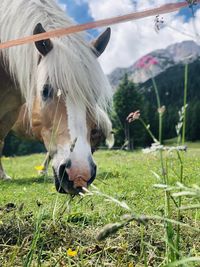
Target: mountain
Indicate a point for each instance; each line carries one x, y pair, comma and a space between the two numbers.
157, 62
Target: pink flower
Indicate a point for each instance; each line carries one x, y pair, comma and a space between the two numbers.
133, 116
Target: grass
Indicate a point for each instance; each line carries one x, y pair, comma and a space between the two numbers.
38, 225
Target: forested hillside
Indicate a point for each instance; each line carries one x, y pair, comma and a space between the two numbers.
171, 89
170, 84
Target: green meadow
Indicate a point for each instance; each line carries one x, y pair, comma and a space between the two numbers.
39, 227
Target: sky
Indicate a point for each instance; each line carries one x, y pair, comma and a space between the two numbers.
132, 40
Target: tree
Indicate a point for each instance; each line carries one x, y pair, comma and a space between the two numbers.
15, 146
128, 99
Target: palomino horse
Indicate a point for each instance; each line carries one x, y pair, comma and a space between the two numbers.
62, 81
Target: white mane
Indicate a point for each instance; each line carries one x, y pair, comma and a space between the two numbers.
70, 66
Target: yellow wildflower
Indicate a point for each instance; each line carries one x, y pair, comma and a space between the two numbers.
72, 253
39, 168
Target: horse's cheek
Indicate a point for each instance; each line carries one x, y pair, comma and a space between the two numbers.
46, 136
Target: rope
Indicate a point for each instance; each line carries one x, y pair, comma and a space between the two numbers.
168, 8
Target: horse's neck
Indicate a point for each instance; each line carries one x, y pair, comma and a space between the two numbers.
10, 99
7, 85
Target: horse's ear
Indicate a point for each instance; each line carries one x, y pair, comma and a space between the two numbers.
101, 42
43, 46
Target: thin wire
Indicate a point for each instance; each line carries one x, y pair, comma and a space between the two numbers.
181, 32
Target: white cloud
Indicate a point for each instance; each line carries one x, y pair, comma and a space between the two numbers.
107, 8
134, 39
63, 6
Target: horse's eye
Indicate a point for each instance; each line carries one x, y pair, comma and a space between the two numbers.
47, 92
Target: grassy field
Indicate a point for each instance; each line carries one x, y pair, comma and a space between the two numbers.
39, 227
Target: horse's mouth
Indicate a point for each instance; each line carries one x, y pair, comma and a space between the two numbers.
65, 186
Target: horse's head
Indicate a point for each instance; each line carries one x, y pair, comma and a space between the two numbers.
68, 108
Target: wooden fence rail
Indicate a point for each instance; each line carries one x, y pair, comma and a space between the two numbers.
168, 8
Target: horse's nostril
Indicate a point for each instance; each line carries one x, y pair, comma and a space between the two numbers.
94, 169
62, 172
93, 173
68, 164
63, 178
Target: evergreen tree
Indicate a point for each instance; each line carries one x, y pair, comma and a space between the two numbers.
128, 99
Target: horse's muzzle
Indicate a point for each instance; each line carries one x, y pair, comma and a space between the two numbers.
66, 185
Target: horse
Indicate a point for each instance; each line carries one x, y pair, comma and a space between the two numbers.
62, 84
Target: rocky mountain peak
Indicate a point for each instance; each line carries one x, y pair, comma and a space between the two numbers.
157, 61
